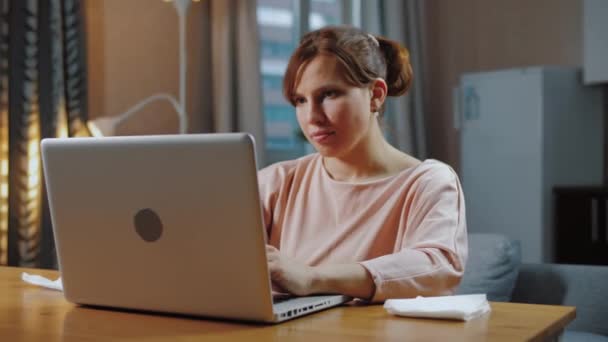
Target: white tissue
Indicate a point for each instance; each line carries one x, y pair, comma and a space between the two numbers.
42, 281
462, 307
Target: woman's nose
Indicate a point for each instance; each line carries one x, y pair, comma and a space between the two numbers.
315, 113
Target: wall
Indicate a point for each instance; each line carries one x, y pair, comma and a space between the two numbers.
132, 54
478, 35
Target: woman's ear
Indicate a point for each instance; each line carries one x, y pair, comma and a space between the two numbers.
379, 90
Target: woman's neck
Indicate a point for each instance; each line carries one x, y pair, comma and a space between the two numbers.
373, 158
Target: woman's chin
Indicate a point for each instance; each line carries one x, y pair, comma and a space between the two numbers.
327, 151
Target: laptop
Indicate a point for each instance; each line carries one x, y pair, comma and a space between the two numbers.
169, 223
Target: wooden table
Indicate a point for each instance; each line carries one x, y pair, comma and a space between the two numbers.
30, 313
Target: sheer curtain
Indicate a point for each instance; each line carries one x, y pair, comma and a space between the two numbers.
401, 20
231, 82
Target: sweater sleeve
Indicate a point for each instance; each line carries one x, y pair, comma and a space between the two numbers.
434, 244
273, 182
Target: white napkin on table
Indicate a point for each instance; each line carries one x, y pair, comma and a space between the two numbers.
461, 307
42, 281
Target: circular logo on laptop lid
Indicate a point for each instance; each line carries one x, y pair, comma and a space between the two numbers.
148, 225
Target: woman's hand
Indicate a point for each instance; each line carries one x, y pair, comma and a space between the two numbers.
288, 274
301, 280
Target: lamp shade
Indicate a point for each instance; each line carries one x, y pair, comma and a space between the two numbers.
103, 127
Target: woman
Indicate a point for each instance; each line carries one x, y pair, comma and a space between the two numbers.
359, 217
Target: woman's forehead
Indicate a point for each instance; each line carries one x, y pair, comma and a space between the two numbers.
321, 69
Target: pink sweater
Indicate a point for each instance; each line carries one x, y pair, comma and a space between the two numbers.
408, 230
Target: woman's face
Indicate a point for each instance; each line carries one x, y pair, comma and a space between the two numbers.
334, 115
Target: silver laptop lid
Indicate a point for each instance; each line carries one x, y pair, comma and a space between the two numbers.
109, 198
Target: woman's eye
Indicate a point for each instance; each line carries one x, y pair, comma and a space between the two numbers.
299, 100
330, 93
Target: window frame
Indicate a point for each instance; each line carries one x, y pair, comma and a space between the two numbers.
350, 14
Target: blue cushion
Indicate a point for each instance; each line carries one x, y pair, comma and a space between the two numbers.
492, 266
581, 336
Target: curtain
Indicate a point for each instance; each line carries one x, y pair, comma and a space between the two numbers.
402, 20
231, 87
42, 94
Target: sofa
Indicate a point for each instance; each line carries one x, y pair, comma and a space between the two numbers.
494, 268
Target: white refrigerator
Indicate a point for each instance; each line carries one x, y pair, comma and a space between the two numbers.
522, 132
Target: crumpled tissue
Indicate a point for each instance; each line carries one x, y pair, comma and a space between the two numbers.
42, 281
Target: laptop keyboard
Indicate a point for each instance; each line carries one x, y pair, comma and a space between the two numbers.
280, 297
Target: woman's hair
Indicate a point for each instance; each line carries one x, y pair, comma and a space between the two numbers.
362, 57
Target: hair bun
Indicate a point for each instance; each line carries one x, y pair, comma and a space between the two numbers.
398, 68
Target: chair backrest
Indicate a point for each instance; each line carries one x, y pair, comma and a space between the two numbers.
492, 266
583, 286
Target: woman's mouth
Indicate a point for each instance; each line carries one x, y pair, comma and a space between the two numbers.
322, 136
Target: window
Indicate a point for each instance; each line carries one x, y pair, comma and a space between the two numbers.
280, 29
325, 12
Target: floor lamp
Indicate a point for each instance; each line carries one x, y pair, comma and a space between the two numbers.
106, 126
31, 202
